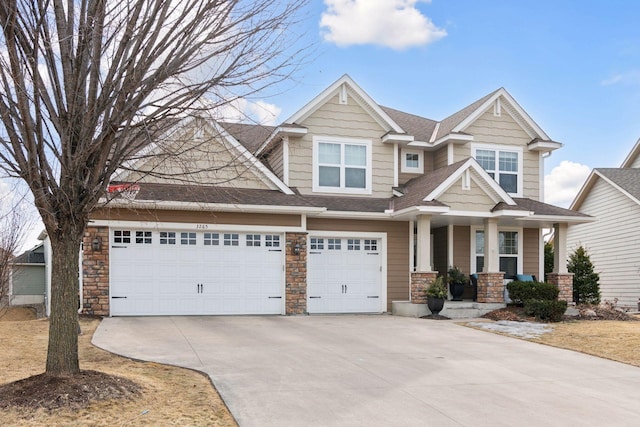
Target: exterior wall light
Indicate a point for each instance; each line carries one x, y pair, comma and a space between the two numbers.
296, 249
96, 244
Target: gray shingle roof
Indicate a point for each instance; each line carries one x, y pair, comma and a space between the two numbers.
249, 135
538, 208
415, 190
421, 128
628, 179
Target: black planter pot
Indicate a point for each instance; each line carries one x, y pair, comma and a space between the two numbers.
435, 304
457, 289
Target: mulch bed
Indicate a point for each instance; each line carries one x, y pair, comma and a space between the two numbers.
74, 392
605, 311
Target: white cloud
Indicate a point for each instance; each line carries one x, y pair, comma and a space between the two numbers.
242, 110
564, 181
397, 24
631, 77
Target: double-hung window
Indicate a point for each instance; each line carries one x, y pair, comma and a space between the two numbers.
342, 165
507, 250
504, 165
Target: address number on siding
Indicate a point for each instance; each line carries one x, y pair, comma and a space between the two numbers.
202, 226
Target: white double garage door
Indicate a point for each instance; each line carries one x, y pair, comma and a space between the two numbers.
202, 272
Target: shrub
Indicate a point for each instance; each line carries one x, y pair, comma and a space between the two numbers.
437, 289
521, 292
586, 288
551, 310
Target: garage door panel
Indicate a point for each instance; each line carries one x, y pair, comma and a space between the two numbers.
219, 274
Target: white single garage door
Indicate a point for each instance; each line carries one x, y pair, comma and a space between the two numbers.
345, 275
195, 272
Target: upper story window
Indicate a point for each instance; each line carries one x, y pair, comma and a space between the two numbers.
412, 161
504, 165
341, 165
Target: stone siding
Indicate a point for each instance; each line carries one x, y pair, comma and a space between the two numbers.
95, 272
564, 282
419, 282
296, 274
491, 287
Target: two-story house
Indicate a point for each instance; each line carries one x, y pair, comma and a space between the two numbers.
345, 207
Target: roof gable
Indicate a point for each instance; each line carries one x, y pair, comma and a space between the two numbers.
631, 159
624, 180
341, 88
499, 99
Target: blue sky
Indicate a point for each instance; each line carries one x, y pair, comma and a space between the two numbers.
574, 66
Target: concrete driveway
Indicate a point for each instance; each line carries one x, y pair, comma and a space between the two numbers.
381, 371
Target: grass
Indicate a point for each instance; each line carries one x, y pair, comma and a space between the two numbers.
609, 339
171, 396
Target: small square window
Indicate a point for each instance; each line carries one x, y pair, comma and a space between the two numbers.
211, 239
272, 241
370, 245
167, 237
334, 244
353, 244
121, 236
317, 244
188, 239
143, 237
412, 161
231, 239
253, 240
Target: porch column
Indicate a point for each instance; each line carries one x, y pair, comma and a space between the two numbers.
491, 253
560, 276
491, 280
423, 276
424, 243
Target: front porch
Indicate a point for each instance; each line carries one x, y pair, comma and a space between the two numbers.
452, 309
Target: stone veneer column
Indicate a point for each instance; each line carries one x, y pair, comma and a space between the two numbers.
491, 287
564, 282
296, 274
95, 272
419, 282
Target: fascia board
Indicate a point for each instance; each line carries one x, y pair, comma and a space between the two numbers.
546, 146
553, 219
632, 155
430, 210
395, 138
282, 130
617, 187
584, 190
214, 207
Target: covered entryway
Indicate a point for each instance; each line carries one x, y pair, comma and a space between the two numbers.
186, 272
345, 274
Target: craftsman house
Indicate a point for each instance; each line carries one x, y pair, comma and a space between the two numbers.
345, 207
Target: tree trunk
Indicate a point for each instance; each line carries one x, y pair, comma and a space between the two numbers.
62, 355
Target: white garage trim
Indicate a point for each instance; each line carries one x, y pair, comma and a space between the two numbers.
155, 225
382, 237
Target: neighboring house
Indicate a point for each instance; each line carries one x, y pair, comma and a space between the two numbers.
28, 277
612, 196
344, 208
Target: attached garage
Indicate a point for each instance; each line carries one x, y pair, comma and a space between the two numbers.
346, 273
203, 272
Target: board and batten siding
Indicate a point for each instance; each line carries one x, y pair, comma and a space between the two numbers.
473, 199
531, 252
462, 248
504, 130
344, 121
397, 249
612, 242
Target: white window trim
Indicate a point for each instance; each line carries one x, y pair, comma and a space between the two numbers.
316, 188
505, 148
403, 161
520, 256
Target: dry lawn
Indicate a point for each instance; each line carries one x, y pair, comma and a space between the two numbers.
610, 339
171, 396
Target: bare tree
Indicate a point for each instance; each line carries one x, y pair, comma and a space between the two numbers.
83, 83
